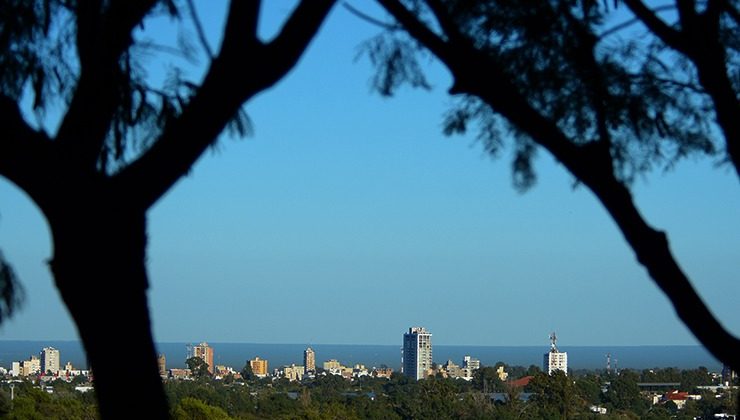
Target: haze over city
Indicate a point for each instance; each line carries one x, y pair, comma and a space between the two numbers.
346, 217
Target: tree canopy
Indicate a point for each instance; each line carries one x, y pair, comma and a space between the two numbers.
554, 76
121, 142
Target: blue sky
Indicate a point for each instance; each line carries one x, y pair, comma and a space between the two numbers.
347, 218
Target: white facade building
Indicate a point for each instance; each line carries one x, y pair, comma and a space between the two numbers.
15, 369
49, 360
471, 363
555, 359
417, 352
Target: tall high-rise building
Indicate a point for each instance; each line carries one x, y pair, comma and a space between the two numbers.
49, 360
259, 367
309, 360
728, 375
162, 365
555, 359
417, 352
205, 352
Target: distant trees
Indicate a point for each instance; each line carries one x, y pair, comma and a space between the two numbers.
247, 372
551, 76
122, 142
198, 367
624, 394
190, 408
30, 402
486, 379
554, 396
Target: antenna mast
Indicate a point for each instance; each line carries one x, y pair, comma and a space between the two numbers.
553, 342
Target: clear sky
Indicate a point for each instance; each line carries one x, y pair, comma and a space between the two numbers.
347, 218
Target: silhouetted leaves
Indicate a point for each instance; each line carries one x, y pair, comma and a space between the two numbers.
644, 102
11, 292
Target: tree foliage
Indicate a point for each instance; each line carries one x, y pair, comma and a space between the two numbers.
11, 292
552, 75
121, 141
198, 367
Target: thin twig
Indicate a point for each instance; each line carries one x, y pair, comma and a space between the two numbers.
199, 29
632, 21
368, 18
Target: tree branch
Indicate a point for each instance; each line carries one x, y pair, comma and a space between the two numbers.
100, 43
442, 14
364, 16
244, 67
26, 155
199, 29
618, 27
590, 163
417, 29
648, 17
687, 13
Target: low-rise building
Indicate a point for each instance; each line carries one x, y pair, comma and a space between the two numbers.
222, 371
471, 363
179, 373
452, 370
382, 372
332, 364
292, 372
680, 398
359, 371
502, 375
31, 366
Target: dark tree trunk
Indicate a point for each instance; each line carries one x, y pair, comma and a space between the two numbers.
713, 76
652, 250
99, 269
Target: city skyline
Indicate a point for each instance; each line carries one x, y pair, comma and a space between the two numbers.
343, 205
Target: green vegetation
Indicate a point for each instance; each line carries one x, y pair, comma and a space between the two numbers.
331, 397
198, 367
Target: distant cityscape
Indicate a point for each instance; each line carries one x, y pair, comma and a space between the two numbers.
416, 362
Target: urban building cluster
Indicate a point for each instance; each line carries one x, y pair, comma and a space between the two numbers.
416, 362
45, 368
46, 364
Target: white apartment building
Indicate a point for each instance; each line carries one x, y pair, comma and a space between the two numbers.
417, 352
49, 360
15, 369
555, 359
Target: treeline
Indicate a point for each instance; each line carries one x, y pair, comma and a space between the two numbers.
486, 396
332, 397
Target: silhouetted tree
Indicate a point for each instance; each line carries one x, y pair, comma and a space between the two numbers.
198, 367
120, 145
552, 76
247, 372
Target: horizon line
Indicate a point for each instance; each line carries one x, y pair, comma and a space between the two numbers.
368, 344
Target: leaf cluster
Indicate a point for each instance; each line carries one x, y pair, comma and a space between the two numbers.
632, 94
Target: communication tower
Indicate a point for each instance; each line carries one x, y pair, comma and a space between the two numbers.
553, 342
